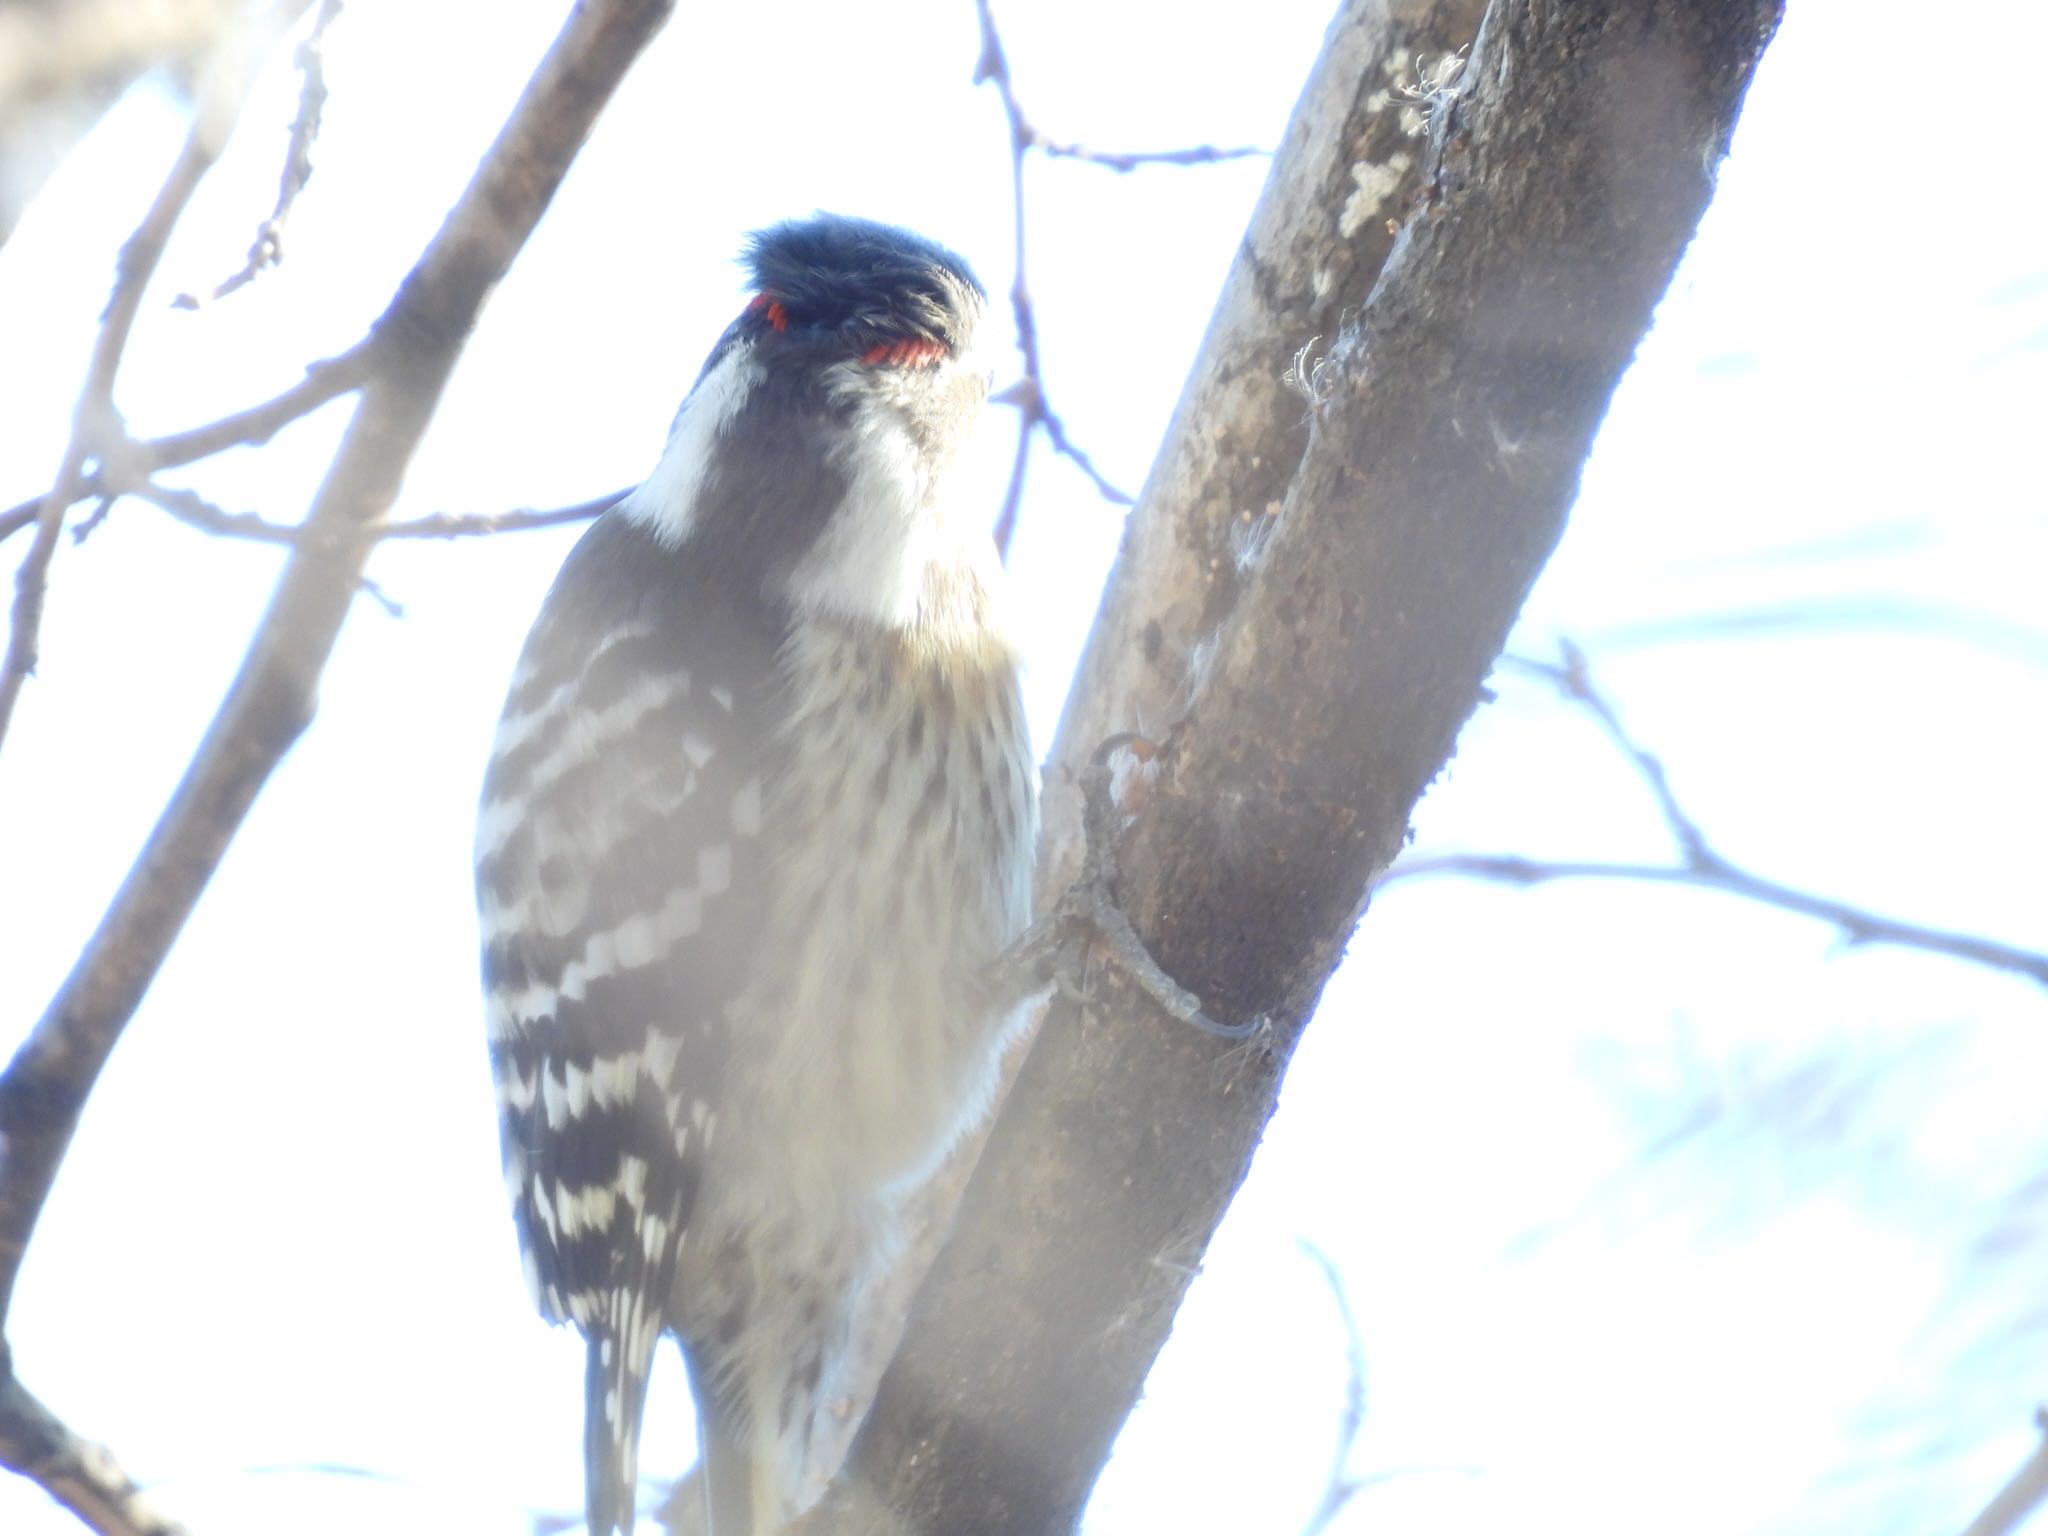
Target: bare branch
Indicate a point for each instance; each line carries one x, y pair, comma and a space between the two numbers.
194, 510
254, 425
449, 525
1699, 864
45, 1087
268, 248
1858, 926
81, 1476
2019, 1498
1028, 394
1572, 676
1341, 1487
95, 421
1124, 161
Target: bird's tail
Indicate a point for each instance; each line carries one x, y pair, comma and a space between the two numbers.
614, 1393
725, 1468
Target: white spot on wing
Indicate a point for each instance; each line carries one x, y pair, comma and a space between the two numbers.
662, 1052
633, 1182
640, 940
583, 735
543, 1207
746, 808
554, 1098
587, 1210
714, 869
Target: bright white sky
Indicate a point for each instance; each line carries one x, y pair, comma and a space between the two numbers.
1655, 1211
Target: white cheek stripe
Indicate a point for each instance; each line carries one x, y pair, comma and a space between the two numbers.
666, 502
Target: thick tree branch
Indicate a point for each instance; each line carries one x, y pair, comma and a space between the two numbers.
81, 1476
271, 701
1348, 171
1446, 436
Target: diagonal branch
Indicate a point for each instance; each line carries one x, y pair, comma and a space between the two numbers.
81, 1476
45, 1087
1342, 665
271, 701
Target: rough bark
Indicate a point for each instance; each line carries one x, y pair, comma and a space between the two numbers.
1317, 691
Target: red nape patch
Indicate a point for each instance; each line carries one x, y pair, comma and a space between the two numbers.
906, 353
777, 315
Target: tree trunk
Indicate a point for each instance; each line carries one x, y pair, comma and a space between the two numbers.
1318, 682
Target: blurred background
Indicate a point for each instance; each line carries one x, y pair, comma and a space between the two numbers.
1611, 1207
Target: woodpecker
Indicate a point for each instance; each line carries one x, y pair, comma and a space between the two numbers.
759, 812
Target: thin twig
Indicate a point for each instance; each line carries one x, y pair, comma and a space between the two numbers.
449, 525
95, 420
1857, 925
268, 248
1028, 394
1122, 161
254, 425
1572, 676
326, 380
1699, 864
2020, 1497
1341, 1487
194, 510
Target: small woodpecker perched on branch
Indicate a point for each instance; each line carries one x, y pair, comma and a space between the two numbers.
760, 810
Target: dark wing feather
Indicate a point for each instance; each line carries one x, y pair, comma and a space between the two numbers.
619, 879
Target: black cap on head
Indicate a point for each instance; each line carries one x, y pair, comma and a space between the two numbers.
861, 283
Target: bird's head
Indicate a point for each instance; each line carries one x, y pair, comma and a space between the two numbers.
813, 447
